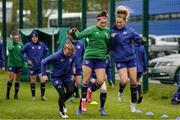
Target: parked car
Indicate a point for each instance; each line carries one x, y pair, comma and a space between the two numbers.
165, 69
162, 45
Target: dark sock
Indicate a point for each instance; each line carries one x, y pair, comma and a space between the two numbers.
103, 99
133, 93
43, 86
9, 84
16, 86
95, 87
139, 89
84, 90
121, 87
91, 84
33, 89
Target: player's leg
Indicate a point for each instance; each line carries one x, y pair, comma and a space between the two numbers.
133, 80
103, 95
78, 79
123, 74
139, 88
10, 82
69, 86
87, 69
91, 84
42, 87
17, 83
32, 77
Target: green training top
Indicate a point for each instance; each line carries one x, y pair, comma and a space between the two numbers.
97, 41
14, 59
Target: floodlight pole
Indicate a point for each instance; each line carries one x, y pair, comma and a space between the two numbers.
60, 7
84, 14
112, 20
20, 14
145, 36
39, 13
4, 24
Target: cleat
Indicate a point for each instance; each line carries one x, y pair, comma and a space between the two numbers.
63, 115
140, 99
33, 98
120, 97
79, 111
103, 113
43, 98
133, 107
83, 106
89, 95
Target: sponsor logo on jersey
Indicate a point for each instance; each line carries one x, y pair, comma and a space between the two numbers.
39, 47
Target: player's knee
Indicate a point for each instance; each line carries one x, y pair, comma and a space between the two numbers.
133, 82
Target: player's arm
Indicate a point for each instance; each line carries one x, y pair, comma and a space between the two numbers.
79, 35
45, 62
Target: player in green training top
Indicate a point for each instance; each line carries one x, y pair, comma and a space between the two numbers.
15, 64
95, 55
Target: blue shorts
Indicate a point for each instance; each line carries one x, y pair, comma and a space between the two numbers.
126, 64
15, 69
139, 74
59, 82
34, 71
95, 63
78, 72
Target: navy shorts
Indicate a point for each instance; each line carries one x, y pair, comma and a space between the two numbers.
78, 72
139, 74
34, 71
95, 63
59, 82
15, 69
126, 64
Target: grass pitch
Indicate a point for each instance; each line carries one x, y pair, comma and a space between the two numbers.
157, 100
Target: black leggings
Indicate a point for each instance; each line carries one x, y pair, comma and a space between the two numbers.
64, 94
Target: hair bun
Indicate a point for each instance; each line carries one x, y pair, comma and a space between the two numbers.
104, 13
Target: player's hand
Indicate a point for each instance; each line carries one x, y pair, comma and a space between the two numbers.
3, 69
29, 62
145, 72
44, 78
72, 30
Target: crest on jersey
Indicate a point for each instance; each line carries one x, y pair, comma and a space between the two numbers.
78, 47
19, 46
32, 47
97, 32
62, 60
119, 65
39, 47
124, 33
86, 61
70, 60
31, 72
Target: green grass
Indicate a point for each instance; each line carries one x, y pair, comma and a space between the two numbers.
156, 100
